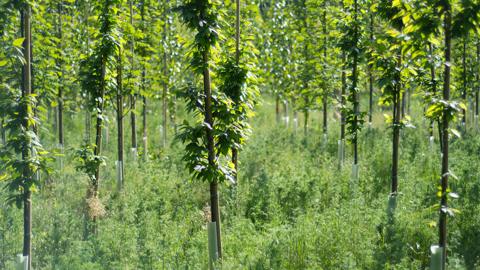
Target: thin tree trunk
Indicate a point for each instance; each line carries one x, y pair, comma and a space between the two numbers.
478, 81
120, 142
370, 76
144, 84
133, 98
26, 92
60, 78
325, 94
145, 130
133, 121
164, 99
325, 114
409, 100
88, 127
433, 82
356, 104
237, 32
93, 192
445, 126
343, 102
32, 80
397, 96
165, 80
277, 108
237, 60
305, 123
215, 210
88, 124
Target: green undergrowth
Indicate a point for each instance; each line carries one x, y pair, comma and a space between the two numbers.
293, 208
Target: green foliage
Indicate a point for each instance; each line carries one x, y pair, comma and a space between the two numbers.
291, 203
352, 44
22, 156
88, 162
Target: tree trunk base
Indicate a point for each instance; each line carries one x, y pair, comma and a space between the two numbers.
436, 258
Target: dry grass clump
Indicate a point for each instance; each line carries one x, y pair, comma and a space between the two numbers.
95, 208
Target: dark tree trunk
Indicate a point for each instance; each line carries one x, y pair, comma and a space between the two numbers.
165, 79
408, 97
237, 32
26, 92
88, 116
478, 81
88, 125
133, 121
237, 60
325, 114
445, 126
305, 123
277, 108
133, 97
60, 78
343, 98
433, 81
164, 99
145, 130
370, 76
397, 97
325, 95
99, 126
356, 104
215, 209
27, 226
120, 142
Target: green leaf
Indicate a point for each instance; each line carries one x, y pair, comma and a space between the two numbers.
453, 195
3, 63
18, 42
456, 133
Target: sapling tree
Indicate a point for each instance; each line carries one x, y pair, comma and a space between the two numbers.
120, 115
446, 117
132, 81
165, 70
206, 149
306, 95
351, 43
344, 88
279, 51
120, 99
370, 71
97, 80
238, 99
389, 60
168, 63
22, 155
325, 85
61, 140
143, 49
452, 19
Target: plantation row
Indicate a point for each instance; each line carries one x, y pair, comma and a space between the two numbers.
199, 68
